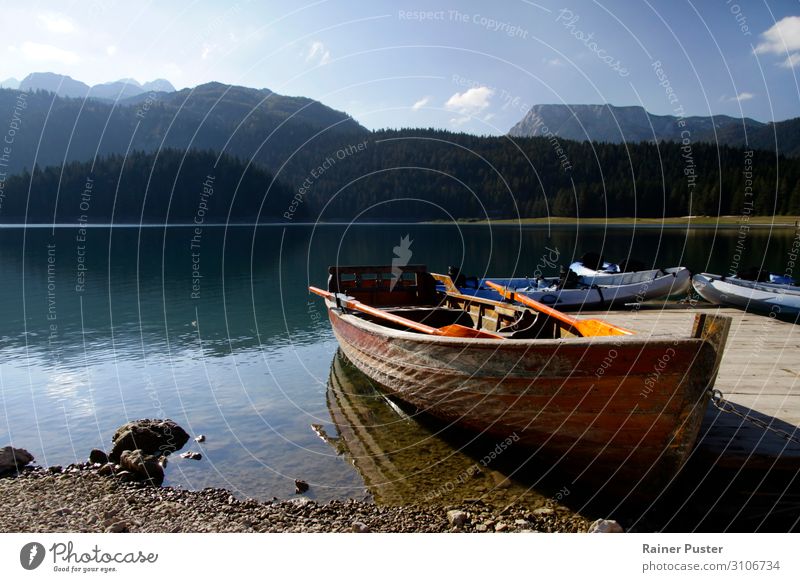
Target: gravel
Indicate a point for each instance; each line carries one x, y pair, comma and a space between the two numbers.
78, 499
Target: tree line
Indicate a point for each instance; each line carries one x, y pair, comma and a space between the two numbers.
412, 175
170, 187
416, 174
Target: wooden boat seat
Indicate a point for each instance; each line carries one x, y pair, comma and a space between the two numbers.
434, 316
381, 286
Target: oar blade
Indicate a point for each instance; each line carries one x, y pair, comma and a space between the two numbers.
457, 330
598, 327
585, 327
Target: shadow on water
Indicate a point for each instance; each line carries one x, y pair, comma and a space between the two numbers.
405, 456
740, 477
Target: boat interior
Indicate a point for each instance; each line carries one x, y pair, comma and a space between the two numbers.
410, 292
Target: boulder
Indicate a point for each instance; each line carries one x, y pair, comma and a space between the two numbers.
152, 436
456, 517
300, 486
144, 466
605, 526
13, 460
125, 476
118, 527
98, 456
106, 470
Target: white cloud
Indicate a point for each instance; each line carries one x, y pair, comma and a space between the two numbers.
111, 50
460, 120
556, 62
470, 102
33, 51
55, 22
743, 96
791, 61
421, 103
781, 37
317, 52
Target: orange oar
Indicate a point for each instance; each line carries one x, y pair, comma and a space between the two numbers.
454, 330
585, 327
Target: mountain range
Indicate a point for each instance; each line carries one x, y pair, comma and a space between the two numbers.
336, 168
255, 124
593, 123
65, 86
612, 124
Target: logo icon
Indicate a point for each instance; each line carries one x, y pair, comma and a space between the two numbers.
402, 256
31, 555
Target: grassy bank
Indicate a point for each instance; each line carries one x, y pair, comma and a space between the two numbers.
676, 221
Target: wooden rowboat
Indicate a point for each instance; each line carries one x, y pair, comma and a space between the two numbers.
611, 406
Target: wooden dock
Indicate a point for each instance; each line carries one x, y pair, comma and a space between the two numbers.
759, 377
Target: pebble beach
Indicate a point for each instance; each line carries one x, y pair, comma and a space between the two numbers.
77, 499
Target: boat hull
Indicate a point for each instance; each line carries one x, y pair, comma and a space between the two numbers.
766, 298
610, 409
598, 292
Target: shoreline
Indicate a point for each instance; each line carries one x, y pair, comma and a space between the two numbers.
721, 222
79, 500
687, 222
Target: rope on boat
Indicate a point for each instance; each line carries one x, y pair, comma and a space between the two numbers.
600, 293
718, 400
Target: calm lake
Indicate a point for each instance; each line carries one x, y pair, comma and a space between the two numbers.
217, 331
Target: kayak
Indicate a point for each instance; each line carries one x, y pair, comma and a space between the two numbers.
759, 297
597, 291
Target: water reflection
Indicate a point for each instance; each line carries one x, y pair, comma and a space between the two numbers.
407, 457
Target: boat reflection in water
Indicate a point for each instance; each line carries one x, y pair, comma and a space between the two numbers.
405, 456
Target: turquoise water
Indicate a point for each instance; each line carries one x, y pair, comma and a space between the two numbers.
217, 331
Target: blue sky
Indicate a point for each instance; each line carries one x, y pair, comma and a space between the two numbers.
466, 66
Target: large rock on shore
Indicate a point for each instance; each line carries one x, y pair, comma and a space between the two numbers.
605, 526
13, 460
145, 467
151, 436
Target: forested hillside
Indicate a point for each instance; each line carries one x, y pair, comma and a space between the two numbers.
476, 177
171, 187
329, 167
